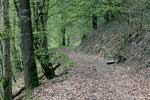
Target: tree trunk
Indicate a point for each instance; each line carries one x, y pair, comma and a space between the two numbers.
41, 40
108, 16
1, 57
94, 21
30, 70
68, 41
7, 85
14, 51
16, 6
63, 36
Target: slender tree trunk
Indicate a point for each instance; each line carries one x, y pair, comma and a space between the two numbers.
30, 70
68, 41
15, 56
94, 16
94, 21
108, 14
14, 51
1, 55
16, 6
63, 36
7, 85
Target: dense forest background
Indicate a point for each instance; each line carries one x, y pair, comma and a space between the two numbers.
31, 31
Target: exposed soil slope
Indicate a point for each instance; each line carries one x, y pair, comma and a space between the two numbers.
119, 39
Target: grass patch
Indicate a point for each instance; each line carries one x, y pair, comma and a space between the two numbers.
65, 62
63, 59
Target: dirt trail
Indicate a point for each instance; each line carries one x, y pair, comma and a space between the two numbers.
92, 79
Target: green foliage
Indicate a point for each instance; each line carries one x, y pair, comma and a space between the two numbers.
76, 17
1, 89
28, 94
63, 59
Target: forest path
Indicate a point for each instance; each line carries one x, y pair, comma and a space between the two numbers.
92, 79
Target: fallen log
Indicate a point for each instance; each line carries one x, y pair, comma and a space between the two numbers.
110, 62
22, 91
20, 97
18, 93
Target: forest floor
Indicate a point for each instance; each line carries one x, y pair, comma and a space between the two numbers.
93, 79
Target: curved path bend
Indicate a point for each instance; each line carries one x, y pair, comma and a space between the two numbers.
92, 79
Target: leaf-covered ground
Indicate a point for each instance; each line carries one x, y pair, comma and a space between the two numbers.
92, 79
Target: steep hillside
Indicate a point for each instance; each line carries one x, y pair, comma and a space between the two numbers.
119, 40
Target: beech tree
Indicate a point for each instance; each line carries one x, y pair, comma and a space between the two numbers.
7, 85
30, 70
